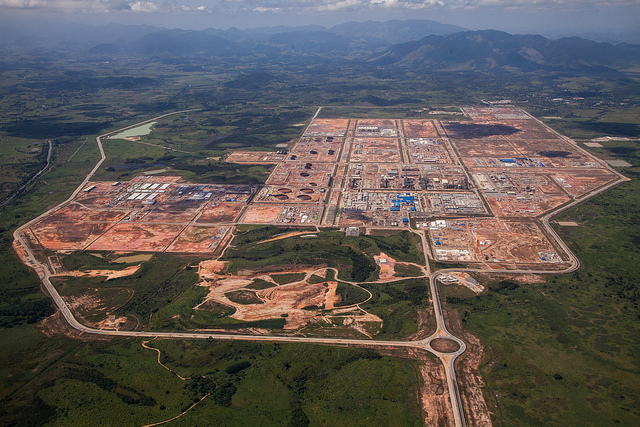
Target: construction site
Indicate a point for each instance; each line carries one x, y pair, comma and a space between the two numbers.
146, 214
477, 187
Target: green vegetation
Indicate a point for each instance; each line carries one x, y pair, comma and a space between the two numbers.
260, 284
127, 159
403, 246
408, 270
282, 279
588, 122
316, 279
85, 261
436, 265
397, 303
252, 234
330, 248
121, 382
216, 309
243, 297
351, 255
180, 314
20, 159
163, 298
158, 282
350, 295
564, 352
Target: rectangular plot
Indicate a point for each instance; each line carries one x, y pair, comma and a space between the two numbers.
488, 113
496, 149
284, 214
137, 237
67, 215
327, 127
581, 182
374, 150
428, 150
70, 236
301, 174
523, 204
481, 130
279, 194
490, 240
317, 149
196, 239
220, 212
383, 128
255, 157
420, 129
358, 218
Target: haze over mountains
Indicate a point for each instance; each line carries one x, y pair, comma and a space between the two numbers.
416, 44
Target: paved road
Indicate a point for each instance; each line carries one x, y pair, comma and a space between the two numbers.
447, 359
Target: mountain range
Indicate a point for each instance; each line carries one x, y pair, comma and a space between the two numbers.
412, 44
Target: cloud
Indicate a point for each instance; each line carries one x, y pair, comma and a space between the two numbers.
262, 9
299, 6
143, 6
413, 5
333, 6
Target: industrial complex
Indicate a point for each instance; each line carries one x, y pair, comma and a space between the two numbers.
477, 188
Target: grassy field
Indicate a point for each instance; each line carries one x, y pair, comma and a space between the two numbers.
351, 255
350, 295
282, 279
408, 270
20, 159
398, 304
120, 382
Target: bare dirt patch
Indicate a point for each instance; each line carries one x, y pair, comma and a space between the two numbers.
298, 302
108, 274
211, 268
387, 266
283, 236
331, 297
137, 237
445, 345
56, 326
520, 278
426, 324
567, 223
433, 394
471, 383
113, 322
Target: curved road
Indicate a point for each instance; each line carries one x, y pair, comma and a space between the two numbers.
447, 359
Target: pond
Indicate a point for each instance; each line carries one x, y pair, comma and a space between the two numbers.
141, 130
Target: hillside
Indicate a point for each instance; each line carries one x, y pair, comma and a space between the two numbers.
493, 50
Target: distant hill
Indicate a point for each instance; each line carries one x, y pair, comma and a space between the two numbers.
362, 37
311, 41
270, 31
369, 42
492, 50
184, 43
393, 32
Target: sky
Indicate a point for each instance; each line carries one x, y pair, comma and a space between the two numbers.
564, 17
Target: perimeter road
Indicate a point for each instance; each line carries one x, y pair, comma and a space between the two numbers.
447, 359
